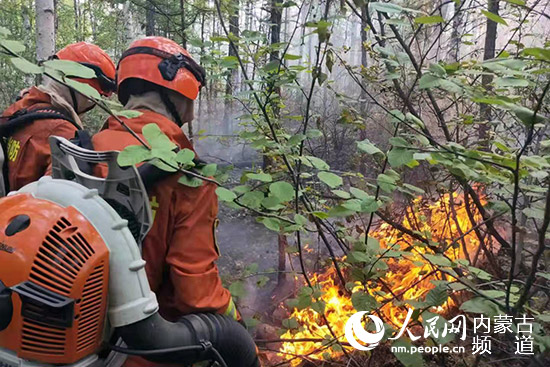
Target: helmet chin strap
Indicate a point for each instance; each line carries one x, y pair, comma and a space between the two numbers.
171, 107
75, 100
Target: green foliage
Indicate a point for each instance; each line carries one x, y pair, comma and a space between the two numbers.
408, 122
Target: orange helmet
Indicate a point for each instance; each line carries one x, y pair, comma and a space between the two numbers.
162, 62
96, 59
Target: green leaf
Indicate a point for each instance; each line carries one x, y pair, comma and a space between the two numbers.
407, 358
341, 194
398, 157
318, 307
434, 19
312, 161
273, 224
26, 66
271, 66
132, 155
386, 182
437, 296
190, 181
330, 179
157, 138
534, 213
450, 86
537, 52
481, 274
511, 82
353, 204
369, 205
70, 69
358, 193
13, 46
363, 301
526, 115
263, 177
314, 133
369, 148
495, 18
438, 260
516, 2
225, 194
83, 88
386, 7
252, 199
296, 139
291, 324
209, 170
184, 156
429, 81
272, 203
4, 31
321, 215
282, 190
480, 305
161, 165
300, 219
129, 114
292, 57
237, 289
340, 211
438, 70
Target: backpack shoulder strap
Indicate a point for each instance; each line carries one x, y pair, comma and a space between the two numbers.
23, 118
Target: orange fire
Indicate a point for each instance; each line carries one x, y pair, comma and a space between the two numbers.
407, 278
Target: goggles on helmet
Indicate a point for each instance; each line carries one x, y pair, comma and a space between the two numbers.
171, 64
107, 84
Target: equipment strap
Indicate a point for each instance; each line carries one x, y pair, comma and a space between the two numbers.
25, 117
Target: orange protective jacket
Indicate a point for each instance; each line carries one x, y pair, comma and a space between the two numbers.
180, 249
28, 149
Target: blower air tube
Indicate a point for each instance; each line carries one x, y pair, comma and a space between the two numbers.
228, 337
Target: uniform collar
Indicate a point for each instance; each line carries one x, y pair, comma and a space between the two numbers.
165, 124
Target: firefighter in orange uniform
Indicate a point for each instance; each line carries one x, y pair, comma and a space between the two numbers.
27, 149
159, 78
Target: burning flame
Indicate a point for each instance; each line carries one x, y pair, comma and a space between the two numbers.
408, 277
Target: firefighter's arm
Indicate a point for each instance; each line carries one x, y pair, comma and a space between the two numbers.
192, 254
65, 130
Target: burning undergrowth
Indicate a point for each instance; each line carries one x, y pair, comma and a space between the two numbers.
392, 272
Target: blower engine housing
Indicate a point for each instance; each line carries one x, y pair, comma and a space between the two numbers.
71, 272
57, 280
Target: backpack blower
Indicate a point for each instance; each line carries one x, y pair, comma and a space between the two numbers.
72, 276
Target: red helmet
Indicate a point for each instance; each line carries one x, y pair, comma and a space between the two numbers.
162, 62
96, 59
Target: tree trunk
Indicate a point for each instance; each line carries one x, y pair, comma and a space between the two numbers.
131, 27
363, 106
199, 117
231, 81
454, 44
150, 20
183, 25
281, 269
486, 80
45, 29
27, 26
76, 20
